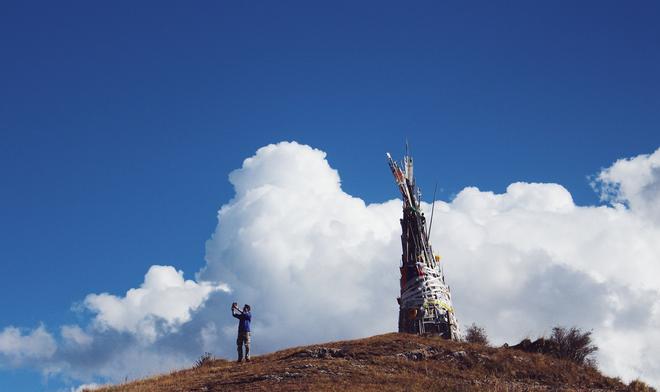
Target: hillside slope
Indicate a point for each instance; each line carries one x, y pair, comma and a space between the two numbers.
391, 362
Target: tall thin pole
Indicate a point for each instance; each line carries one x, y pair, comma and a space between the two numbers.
432, 210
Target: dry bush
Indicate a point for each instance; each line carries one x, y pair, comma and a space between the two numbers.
476, 334
204, 360
639, 386
574, 344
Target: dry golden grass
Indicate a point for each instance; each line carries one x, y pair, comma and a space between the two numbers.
392, 362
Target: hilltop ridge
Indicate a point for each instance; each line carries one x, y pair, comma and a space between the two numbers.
390, 362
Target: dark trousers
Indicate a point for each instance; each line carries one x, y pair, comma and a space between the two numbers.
243, 339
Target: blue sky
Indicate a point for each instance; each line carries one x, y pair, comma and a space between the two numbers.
119, 122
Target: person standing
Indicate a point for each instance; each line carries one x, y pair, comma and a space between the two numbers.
244, 317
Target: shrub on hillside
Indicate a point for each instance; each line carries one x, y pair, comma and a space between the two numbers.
639, 386
205, 360
574, 344
476, 334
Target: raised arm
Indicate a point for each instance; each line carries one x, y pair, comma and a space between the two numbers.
235, 309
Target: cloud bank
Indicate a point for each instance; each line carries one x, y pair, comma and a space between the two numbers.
318, 264
635, 182
163, 303
310, 259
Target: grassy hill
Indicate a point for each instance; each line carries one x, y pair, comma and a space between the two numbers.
391, 362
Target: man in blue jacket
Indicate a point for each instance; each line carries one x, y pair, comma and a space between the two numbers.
244, 317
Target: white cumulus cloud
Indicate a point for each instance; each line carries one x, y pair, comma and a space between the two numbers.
161, 304
17, 347
520, 268
635, 181
313, 261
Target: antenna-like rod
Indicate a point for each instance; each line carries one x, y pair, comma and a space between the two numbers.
432, 210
